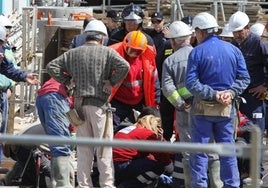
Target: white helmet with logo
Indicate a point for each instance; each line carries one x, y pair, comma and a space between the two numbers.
238, 21
204, 21
3, 33
97, 26
4, 21
178, 29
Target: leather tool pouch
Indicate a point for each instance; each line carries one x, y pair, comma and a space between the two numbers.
76, 115
74, 118
211, 108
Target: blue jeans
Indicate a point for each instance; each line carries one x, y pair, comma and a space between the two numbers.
52, 108
3, 118
222, 128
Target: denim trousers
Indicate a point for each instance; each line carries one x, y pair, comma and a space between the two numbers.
52, 108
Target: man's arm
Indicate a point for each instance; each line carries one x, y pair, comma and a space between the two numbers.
8, 69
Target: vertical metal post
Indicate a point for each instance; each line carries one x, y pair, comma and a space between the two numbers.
180, 11
215, 5
173, 11
103, 6
24, 57
158, 6
255, 156
222, 12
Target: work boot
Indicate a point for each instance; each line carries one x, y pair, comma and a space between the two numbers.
61, 172
214, 174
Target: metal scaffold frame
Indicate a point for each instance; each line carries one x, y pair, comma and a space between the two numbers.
241, 6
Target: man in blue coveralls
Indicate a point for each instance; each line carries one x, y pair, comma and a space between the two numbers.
216, 73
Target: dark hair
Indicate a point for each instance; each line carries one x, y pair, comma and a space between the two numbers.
86, 21
92, 35
150, 110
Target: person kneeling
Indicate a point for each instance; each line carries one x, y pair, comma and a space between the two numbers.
134, 168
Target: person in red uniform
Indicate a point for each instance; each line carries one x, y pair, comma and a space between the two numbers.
134, 168
141, 86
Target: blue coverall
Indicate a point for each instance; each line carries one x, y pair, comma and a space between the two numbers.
214, 65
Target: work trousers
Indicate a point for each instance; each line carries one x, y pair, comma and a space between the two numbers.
52, 108
124, 111
183, 121
3, 117
222, 128
254, 109
167, 117
137, 173
97, 125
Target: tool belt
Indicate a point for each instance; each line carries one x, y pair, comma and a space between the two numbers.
75, 115
211, 108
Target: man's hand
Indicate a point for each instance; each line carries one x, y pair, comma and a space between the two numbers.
107, 88
160, 133
224, 97
259, 92
31, 78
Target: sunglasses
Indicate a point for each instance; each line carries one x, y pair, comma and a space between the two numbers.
156, 21
133, 52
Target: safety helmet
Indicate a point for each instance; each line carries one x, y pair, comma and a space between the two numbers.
3, 33
135, 40
238, 21
132, 12
97, 26
226, 32
257, 28
204, 21
178, 29
4, 21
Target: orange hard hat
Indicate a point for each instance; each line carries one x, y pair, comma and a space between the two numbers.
135, 40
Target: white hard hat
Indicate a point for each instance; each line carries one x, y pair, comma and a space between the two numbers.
97, 26
204, 20
5, 21
178, 29
238, 21
3, 33
257, 28
226, 32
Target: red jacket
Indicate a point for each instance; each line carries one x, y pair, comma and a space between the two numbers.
53, 86
151, 86
137, 133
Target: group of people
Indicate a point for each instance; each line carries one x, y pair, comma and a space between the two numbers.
9, 74
187, 73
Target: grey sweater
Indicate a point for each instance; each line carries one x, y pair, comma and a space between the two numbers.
89, 65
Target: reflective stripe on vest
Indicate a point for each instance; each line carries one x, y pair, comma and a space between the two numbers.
182, 92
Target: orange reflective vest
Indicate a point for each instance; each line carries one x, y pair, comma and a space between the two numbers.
151, 84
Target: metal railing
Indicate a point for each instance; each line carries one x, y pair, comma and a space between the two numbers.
254, 151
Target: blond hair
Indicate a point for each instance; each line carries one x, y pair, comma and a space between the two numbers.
150, 122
